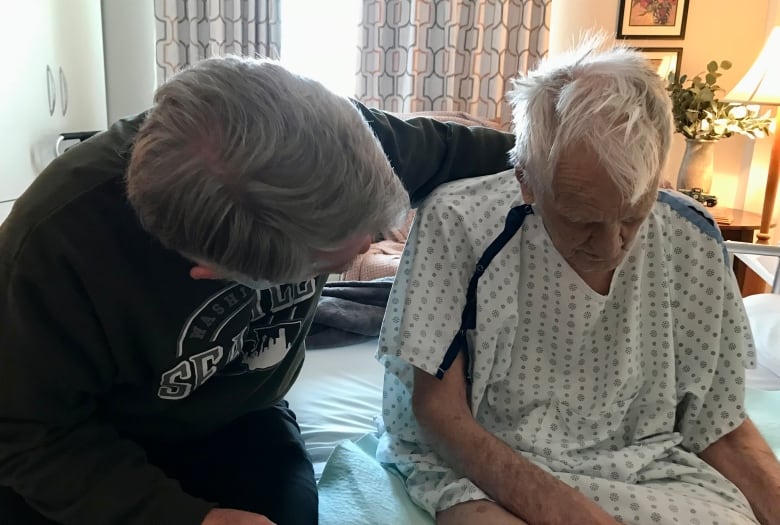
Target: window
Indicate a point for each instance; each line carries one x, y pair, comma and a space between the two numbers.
319, 40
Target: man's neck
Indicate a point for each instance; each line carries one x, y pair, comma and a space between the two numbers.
598, 281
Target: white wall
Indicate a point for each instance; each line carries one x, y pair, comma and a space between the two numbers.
128, 41
5, 209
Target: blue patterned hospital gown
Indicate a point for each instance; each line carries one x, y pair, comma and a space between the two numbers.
613, 395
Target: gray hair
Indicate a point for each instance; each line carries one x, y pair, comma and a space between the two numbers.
609, 100
248, 166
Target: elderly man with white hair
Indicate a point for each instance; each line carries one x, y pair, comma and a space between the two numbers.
573, 350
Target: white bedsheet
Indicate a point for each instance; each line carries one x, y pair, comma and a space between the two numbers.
337, 396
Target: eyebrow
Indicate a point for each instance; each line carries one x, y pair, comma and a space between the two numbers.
577, 215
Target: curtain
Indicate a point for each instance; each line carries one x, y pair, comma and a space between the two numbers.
454, 55
190, 30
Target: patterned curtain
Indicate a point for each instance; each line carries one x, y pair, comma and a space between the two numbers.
453, 55
190, 30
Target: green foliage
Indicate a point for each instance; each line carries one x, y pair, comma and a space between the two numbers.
698, 114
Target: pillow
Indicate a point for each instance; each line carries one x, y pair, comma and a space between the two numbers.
763, 311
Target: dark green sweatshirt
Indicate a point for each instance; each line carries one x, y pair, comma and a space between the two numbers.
104, 336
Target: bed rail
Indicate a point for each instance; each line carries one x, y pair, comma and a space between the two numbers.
749, 253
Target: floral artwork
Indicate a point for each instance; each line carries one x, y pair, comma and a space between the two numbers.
653, 12
652, 18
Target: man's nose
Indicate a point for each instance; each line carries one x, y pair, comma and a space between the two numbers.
607, 241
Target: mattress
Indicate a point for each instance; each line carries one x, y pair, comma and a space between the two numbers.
338, 396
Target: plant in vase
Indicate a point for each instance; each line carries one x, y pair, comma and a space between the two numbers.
703, 120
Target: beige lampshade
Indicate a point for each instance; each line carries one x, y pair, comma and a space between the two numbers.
761, 84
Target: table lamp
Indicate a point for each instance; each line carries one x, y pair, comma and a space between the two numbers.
761, 86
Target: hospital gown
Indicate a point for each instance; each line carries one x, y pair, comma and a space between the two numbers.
611, 394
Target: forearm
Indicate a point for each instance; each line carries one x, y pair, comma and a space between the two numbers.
515, 483
744, 458
90, 476
441, 408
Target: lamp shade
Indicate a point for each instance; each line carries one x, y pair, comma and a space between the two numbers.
761, 84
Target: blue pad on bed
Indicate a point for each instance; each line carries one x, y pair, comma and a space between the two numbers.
355, 489
763, 407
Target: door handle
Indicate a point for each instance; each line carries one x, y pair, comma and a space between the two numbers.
63, 91
51, 90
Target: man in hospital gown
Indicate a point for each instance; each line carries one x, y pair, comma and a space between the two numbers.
572, 349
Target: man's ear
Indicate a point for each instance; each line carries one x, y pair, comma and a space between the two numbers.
528, 193
203, 272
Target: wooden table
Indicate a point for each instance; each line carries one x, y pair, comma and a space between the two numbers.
740, 225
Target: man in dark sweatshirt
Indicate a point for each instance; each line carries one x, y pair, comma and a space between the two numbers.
157, 283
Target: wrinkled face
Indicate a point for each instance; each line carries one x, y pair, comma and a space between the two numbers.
588, 220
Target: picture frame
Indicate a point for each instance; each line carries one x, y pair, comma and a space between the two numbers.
652, 19
664, 59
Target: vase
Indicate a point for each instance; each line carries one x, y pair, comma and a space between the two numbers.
697, 164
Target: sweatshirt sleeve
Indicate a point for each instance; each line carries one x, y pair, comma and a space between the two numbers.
426, 153
54, 450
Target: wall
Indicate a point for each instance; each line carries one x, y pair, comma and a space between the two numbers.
716, 30
128, 41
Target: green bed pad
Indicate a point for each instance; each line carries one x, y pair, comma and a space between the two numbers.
356, 490
763, 407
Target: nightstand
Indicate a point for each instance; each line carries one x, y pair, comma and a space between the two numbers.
740, 225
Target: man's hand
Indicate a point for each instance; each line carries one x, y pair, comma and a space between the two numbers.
745, 459
234, 517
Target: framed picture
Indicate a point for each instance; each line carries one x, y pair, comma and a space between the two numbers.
664, 59
652, 19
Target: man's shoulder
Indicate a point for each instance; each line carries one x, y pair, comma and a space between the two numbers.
682, 211
686, 226
468, 212
489, 193
81, 182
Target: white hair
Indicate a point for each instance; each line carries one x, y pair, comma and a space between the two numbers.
607, 99
248, 166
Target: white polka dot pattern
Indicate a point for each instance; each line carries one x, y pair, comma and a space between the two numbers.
613, 394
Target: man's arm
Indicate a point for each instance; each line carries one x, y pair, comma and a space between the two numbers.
426, 153
746, 460
525, 490
54, 450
